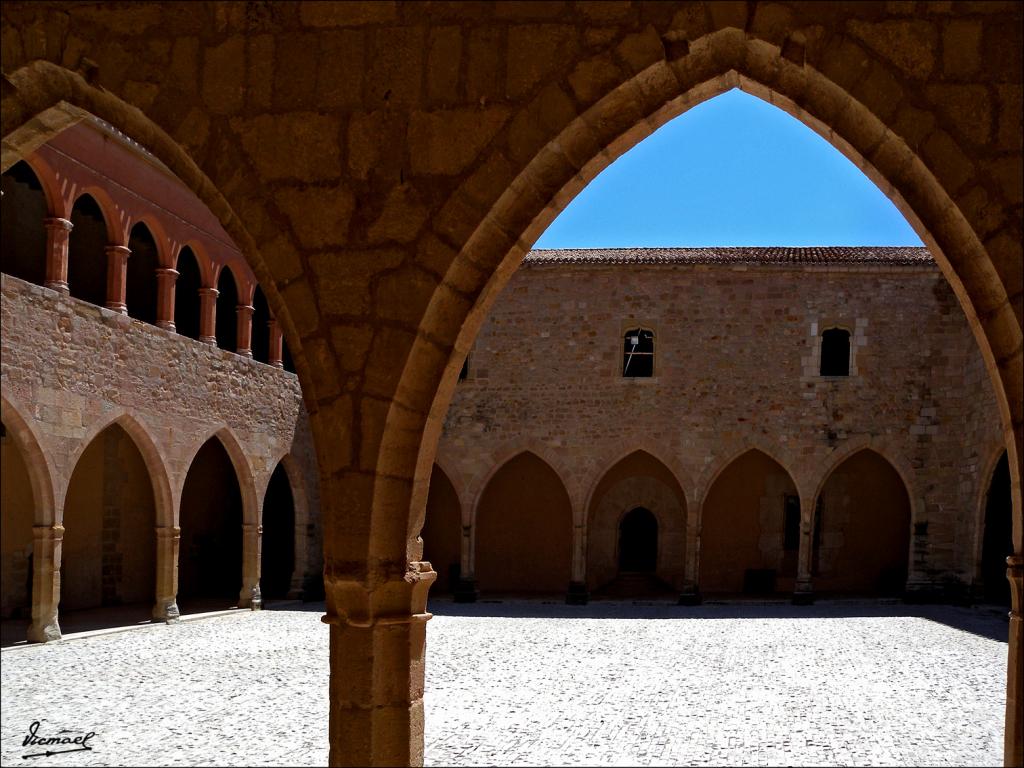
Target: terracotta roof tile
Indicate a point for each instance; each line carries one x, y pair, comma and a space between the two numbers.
835, 255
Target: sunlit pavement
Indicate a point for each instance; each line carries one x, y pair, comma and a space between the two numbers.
538, 683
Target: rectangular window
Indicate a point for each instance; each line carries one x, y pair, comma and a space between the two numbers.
638, 353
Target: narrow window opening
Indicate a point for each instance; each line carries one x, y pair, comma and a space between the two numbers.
638, 353
835, 352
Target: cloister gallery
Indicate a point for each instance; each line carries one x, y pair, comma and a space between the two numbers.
262, 324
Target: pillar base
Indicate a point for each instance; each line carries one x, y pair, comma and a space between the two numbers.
166, 610
48, 632
465, 591
251, 598
803, 597
690, 597
212, 340
577, 594
121, 309
61, 288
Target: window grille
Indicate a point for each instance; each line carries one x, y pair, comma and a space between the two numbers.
638, 353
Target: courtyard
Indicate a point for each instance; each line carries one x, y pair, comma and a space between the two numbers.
538, 683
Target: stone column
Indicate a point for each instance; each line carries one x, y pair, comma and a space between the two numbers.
58, 233
691, 579
165, 281
1013, 744
466, 591
250, 596
46, 547
803, 594
168, 544
275, 355
117, 274
578, 594
243, 335
208, 315
377, 646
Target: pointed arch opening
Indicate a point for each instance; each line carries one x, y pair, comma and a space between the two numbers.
210, 553
862, 528
87, 252
17, 506
227, 310
742, 529
140, 281
186, 294
109, 549
442, 531
277, 553
524, 529
997, 542
633, 553
261, 319
22, 231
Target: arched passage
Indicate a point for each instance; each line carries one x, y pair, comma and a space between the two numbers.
524, 529
277, 554
87, 252
442, 531
210, 554
862, 528
22, 233
17, 506
260, 328
140, 283
109, 549
742, 529
996, 542
186, 294
227, 311
637, 481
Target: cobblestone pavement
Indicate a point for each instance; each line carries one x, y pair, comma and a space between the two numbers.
532, 683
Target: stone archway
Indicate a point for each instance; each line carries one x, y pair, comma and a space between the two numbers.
996, 537
442, 531
831, 63
18, 506
277, 543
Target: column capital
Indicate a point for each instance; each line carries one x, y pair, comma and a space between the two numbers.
58, 223
167, 272
118, 250
362, 604
209, 292
245, 309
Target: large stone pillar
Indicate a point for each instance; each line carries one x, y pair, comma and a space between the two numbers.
690, 594
803, 594
117, 277
275, 355
46, 547
466, 591
58, 232
166, 279
168, 544
1013, 745
250, 596
578, 594
208, 315
243, 335
378, 639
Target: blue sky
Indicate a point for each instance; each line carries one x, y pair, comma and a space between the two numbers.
733, 170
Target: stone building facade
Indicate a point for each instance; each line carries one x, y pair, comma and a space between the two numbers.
385, 166
754, 464
141, 465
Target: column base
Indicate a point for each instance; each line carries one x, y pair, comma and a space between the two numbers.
803, 597
166, 610
61, 288
690, 597
121, 309
212, 340
167, 326
45, 633
465, 591
577, 594
251, 599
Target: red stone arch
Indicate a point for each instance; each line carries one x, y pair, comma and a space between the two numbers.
37, 462
151, 454
113, 216
55, 203
206, 267
156, 230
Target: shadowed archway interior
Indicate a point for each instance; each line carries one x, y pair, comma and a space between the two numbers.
638, 541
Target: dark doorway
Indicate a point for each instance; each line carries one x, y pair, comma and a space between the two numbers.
638, 541
227, 311
22, 233
277, 558
996, 546
186, 294
87, 254
140, 287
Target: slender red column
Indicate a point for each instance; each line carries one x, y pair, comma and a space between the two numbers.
208, 315
275, 355
58, 233
117, 273
165, 282
243, 335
